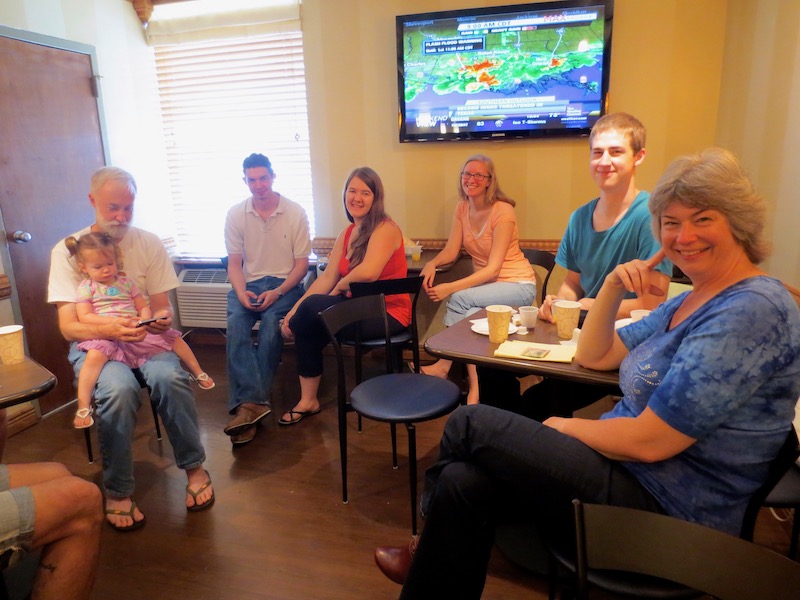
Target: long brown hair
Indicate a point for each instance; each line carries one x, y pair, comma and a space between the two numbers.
375, 216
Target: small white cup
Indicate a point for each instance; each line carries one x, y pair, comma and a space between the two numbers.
639, 314
528, 316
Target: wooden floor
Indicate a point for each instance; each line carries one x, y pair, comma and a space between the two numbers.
279, 529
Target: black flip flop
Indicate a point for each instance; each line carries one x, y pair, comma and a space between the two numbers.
302, 414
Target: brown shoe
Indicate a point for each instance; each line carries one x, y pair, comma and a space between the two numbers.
247, 415
395, 562
245, 436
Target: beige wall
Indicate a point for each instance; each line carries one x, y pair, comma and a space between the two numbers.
352, 88
696, 73
758, 116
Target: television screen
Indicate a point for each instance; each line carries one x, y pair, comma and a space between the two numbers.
523, 71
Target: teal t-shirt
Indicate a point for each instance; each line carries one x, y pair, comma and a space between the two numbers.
594, 254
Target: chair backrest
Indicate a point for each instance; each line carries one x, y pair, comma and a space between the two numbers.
543, 259
786, 457
390, 287
350, 312
635, 541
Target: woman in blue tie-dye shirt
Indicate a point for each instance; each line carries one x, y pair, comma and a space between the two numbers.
709, 379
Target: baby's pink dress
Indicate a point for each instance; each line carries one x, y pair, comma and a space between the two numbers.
116, 300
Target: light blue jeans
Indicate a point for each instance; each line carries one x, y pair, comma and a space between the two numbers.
117, 399
251, 368
466, 302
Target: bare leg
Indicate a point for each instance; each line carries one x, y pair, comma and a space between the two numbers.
67, 527
309, 386
441, 368
184, 352
87, 379
473, 395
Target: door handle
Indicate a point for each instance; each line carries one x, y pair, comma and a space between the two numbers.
22, 237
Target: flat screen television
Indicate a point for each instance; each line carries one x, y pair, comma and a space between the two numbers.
524, 71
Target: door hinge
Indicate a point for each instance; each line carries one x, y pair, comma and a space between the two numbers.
95, 79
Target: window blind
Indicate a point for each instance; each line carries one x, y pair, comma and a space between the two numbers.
221, 101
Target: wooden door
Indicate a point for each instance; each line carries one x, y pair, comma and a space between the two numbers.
50, 144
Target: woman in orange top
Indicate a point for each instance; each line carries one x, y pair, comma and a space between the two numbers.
485, 225
370, 249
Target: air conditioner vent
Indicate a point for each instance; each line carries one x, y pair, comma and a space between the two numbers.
203, 298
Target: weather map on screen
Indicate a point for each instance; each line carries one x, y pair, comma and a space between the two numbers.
518, 71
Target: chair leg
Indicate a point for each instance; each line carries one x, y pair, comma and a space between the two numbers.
88, 437
359, 424
155, 419
412, 473
795, 534
343, 448
393, 429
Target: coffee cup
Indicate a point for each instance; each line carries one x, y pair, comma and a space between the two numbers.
528, 316
498, 318
12, 348
567, 313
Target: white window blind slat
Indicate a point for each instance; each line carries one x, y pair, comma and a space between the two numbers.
221, 101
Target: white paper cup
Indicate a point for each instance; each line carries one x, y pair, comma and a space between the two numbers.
528, 316
567, 314
639, 314
12, 350
498, 317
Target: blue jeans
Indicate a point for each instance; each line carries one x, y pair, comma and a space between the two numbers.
466, 302
251, 368
117, 399
498, 467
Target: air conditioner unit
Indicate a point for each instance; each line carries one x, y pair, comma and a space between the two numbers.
203, 298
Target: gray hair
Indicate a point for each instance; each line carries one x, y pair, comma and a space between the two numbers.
715, 180
105, 174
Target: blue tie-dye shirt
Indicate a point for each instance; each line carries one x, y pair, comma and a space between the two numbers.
728, 376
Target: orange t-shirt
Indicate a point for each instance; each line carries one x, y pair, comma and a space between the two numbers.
515, 267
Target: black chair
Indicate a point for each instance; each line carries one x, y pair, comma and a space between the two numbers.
647, 587
140, 378
393, 398
407, 339
779, 468
786, 494
543, 259
615, 539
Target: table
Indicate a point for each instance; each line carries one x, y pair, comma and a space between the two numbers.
459, 343
23, 382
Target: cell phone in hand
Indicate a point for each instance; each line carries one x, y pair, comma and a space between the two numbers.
148, 321
255, 301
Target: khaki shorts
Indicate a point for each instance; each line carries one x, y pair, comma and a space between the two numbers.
16, 520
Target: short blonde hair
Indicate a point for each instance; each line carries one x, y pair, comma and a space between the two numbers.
626, 124
715, 180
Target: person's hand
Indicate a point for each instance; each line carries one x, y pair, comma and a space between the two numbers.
635, 276
546, 309
250, 301
557, 423
428, 273
286, 332
163, 323
124, 329
439, 292
340, 289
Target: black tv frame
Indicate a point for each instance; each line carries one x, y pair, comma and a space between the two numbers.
522, 126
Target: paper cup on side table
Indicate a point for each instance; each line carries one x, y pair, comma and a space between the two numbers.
499, 317
12, 350
567, 314
528, 316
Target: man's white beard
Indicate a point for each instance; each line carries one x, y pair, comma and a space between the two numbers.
116, 230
